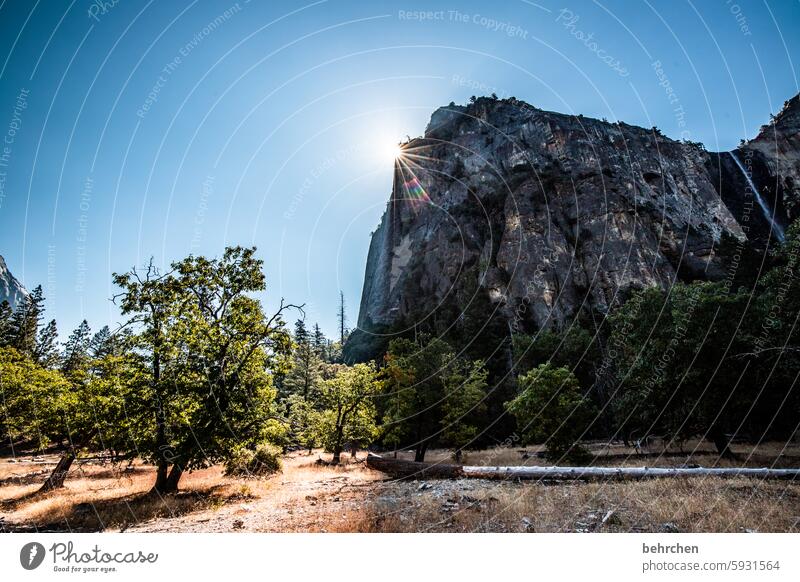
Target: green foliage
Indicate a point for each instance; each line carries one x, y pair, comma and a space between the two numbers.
34, 400
347, 408
23, 323
76, 349
211, 354
264, 459
573, 348
304, 421
46, 352
431, 394
5, 323
551, 409
464, 405
304, 376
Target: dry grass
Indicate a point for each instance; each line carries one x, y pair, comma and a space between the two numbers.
307, 496
97, 497
691, 505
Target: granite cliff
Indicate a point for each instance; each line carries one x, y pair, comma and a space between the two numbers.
545, 217
11, 289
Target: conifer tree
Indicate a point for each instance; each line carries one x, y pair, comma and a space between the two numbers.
76, 348
46, 354
25, 322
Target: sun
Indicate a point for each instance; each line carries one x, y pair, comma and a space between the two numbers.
391, 150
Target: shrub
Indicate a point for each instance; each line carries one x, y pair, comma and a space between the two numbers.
265, 459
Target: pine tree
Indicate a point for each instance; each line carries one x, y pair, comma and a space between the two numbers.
76, 348
342, 317
102, 344
320, 343
304, 375
46, 353
300, 332
5, 323
25, 323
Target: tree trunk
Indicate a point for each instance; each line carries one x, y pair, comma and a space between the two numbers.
413, 470
161, 431
337, 448
56, 478
161, 477
172, 481
419, 454
723, 444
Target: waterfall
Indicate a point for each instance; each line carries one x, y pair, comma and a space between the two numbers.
777, 228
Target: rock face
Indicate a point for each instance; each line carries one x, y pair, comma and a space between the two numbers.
552, 216
11, 290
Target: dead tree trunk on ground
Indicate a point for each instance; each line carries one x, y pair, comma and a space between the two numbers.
415, 470
56, 478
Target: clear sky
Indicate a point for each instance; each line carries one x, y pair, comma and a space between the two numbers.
134, 129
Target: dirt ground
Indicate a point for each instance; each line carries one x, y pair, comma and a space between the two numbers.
311, 497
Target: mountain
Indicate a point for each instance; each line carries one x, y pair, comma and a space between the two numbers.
11, 290
541, 217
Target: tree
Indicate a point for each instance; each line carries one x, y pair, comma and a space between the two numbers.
228, 350
152, 300
342, 318
304, 421
572, 348
46, 353
320, 343
430, 394
102, 344
304, 375
31, 398
76, 348
348, 408
550, 409
464, 405
6, 313
25, 321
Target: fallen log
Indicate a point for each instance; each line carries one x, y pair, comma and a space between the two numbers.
415, 470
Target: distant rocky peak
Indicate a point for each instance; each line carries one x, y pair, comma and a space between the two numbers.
11, 289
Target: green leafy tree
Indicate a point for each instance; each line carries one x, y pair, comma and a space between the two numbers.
464, 405
103, 343
430, 394
152, 301
675, 374
551, 409
229, 349
348, 408
32, 400
572, 348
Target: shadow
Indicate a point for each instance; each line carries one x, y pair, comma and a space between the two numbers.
121, 512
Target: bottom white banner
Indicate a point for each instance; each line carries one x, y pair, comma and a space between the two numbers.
352, 557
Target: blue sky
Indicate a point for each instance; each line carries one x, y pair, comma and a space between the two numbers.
160, 129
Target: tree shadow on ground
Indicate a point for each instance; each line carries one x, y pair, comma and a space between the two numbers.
121, 512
